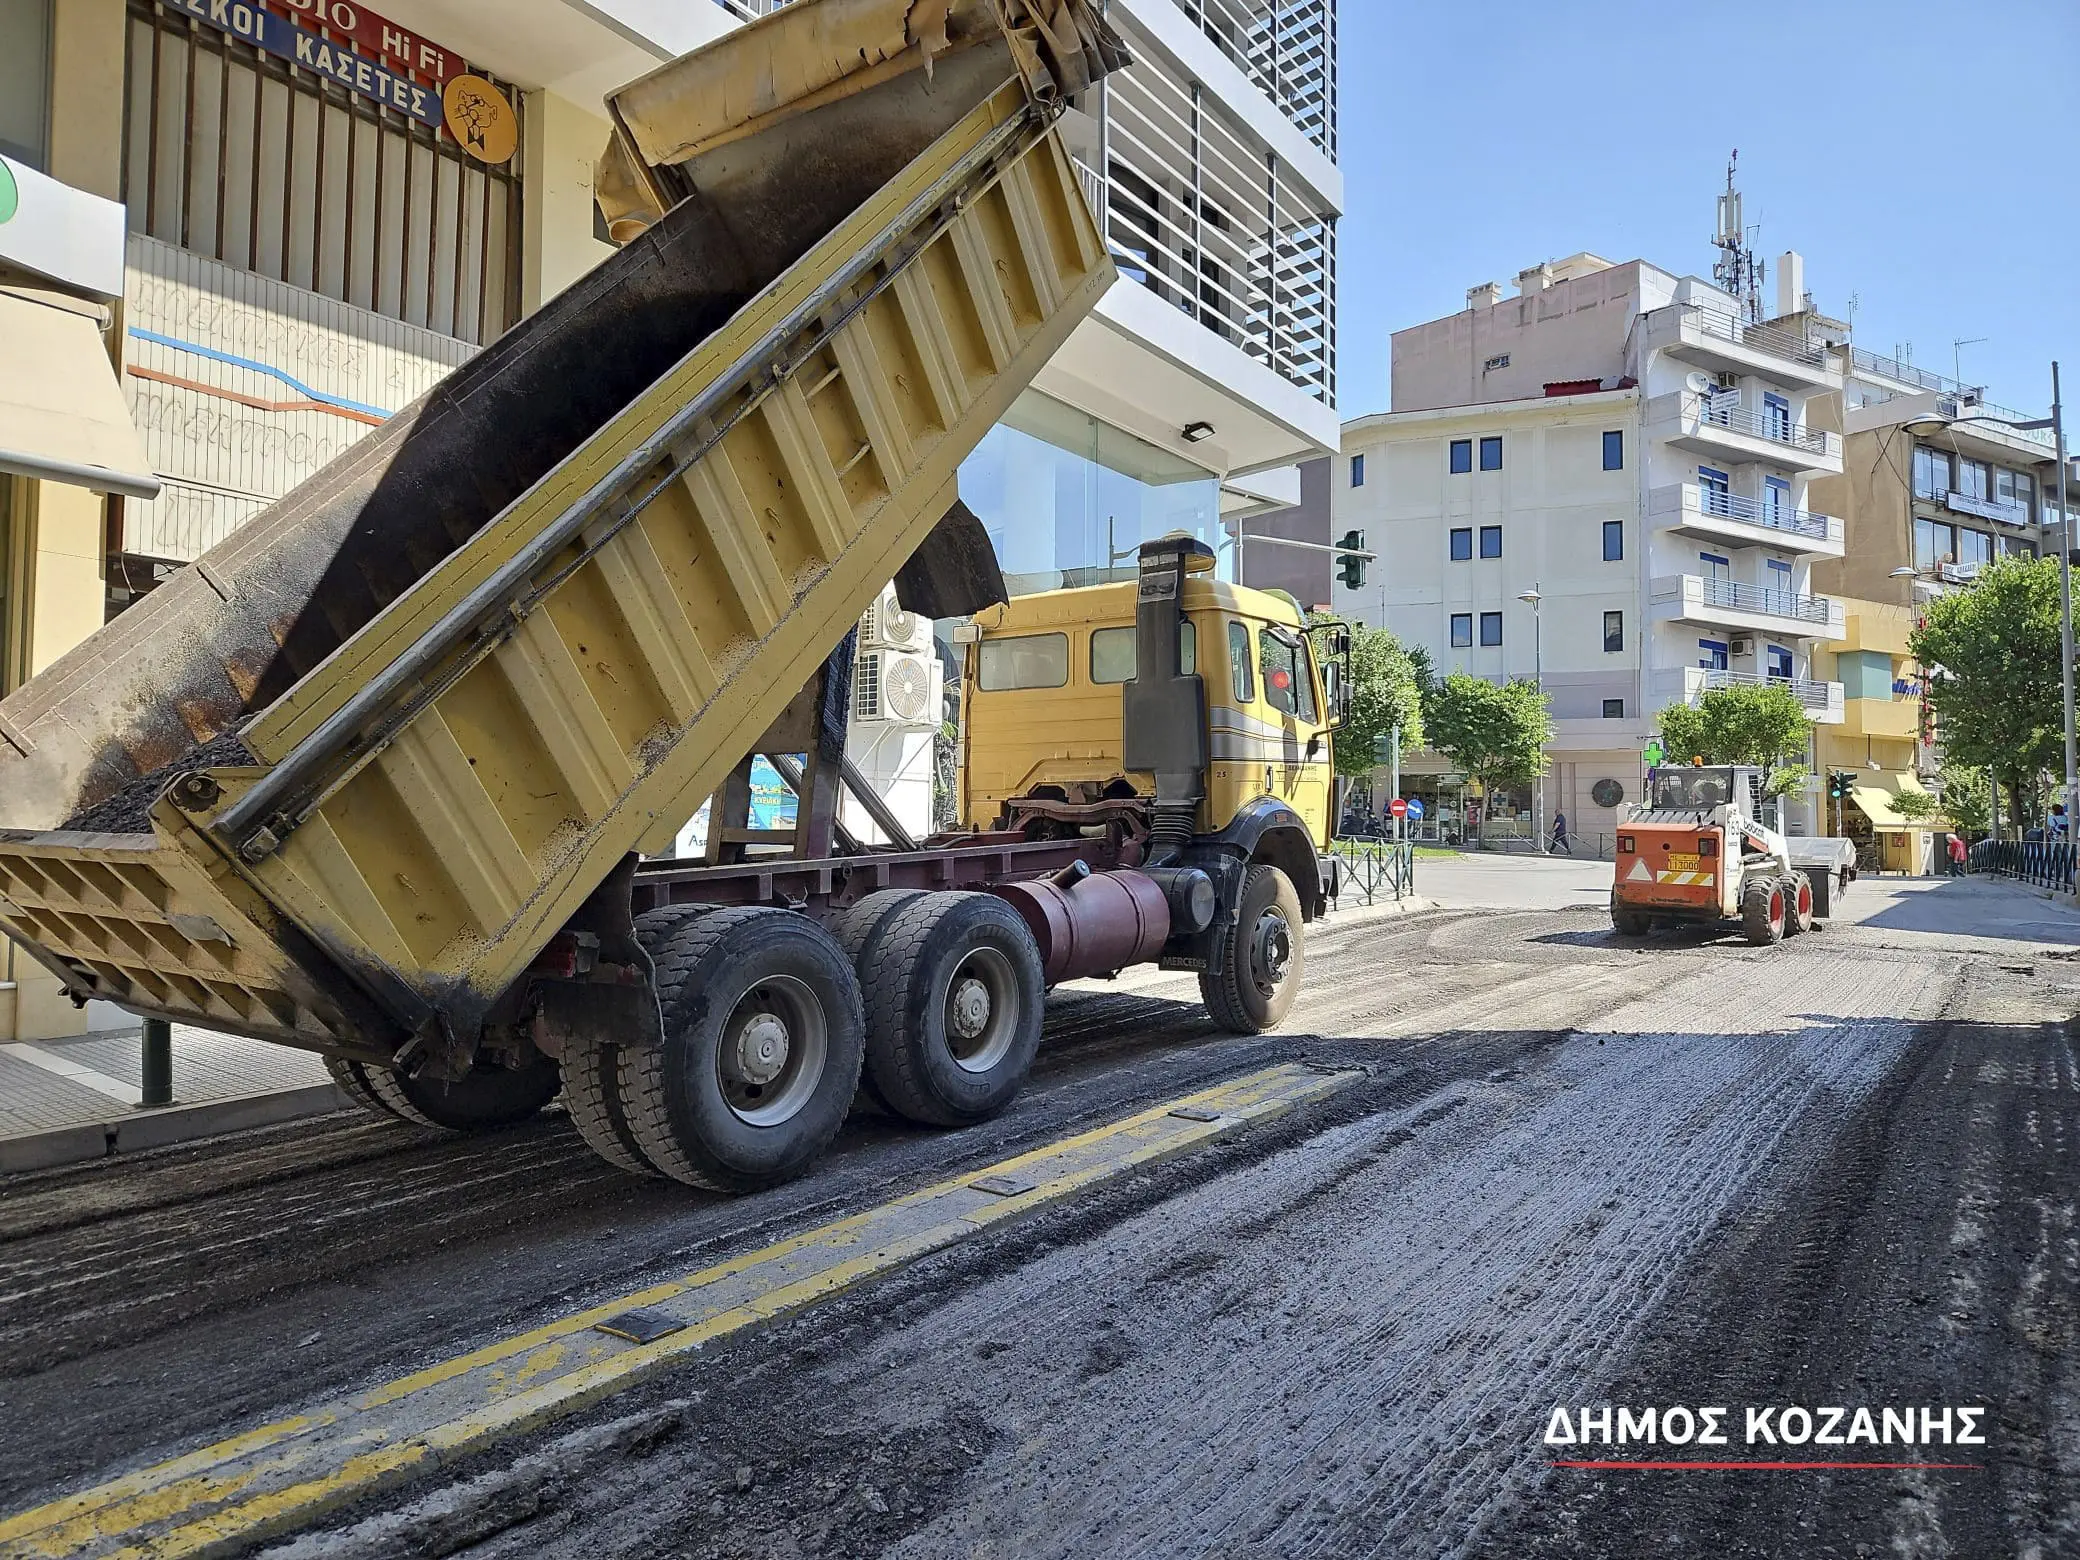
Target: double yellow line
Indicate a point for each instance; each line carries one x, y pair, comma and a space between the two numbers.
284, 1475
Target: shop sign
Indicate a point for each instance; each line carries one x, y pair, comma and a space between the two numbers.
60, 233
385, 72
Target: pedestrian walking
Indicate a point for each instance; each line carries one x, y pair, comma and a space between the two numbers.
1957, 854
1560, 839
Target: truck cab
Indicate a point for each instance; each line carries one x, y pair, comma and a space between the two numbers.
1043, 731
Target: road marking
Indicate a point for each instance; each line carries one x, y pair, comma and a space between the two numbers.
74, 1072
282, 1476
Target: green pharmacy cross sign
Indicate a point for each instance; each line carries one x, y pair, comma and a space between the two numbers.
10, 192
1652, 754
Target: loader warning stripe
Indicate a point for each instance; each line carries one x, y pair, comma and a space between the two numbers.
1682, 877
279, 1477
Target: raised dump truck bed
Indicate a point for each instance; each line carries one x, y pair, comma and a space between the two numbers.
521, 630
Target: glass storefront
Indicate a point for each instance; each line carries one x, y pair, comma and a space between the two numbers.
1069, 500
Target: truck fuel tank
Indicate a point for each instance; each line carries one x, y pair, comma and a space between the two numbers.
1092, 923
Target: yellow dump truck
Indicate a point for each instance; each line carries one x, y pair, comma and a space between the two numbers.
378, 775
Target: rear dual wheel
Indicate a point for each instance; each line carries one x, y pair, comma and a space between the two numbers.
486, 1097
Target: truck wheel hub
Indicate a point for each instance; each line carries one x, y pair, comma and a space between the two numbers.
762, 1046
1273, 950
968, 1008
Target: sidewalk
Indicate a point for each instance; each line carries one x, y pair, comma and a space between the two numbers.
64, 1101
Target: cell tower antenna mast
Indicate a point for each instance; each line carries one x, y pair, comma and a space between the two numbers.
1737, 271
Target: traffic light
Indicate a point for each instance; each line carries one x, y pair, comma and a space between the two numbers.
1839, 782
1350, 568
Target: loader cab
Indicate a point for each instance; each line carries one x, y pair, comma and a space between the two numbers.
1043, 713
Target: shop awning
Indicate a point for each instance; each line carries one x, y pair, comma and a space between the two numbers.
62, 416
1876, 802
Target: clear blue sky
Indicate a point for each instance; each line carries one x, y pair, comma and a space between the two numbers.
1920, 155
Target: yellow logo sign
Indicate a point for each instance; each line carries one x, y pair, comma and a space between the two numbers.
480, 118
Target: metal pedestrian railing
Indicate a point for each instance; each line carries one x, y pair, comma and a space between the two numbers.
2039, 862
1374, 870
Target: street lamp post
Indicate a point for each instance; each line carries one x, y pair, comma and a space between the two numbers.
1538, 674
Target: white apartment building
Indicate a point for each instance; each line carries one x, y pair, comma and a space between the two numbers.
1630, 447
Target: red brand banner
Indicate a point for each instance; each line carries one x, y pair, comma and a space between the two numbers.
376, 35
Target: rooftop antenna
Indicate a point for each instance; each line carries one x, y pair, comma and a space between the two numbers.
1737, 271
1957, 356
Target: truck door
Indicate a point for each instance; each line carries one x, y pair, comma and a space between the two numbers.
1301, 769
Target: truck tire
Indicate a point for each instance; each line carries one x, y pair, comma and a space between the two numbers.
763, 1036
1631, 923
1822, 881
488, 1097
955, 998
1266, 960
1763, 906
352, 1078
1798, 906
858, 930
592, 1073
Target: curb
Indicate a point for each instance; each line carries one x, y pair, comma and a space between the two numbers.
144, 1129
1383, 910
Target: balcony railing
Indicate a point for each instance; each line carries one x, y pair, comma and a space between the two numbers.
1740, 597
1772, 339
1287, 48
1723, 412
1814, 696
1752, 511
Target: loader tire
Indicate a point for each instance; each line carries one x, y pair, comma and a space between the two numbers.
352, 1078
1763, 906
763, 1035
1798, 904
487, 1097
955, 998
1266, 958
1631, 923
858, 930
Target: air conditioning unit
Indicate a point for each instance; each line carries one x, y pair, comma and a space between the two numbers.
1729, 381
1740, 647
897, 686
888, 626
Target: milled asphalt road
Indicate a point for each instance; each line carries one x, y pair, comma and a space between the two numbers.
1577, 1172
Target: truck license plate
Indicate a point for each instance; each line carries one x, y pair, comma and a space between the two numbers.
1678, 862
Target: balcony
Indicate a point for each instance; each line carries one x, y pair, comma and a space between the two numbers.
1719, 427
1733, 605
1721, 343
1691, 509
1822, 701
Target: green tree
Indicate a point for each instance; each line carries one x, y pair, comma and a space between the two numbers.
1916, 806
1967, 801
1496, 734
1748, 723
1992, 654
1385, 692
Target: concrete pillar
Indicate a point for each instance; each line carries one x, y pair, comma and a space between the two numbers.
558, 242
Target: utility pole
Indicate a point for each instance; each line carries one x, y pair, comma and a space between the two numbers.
2065, 598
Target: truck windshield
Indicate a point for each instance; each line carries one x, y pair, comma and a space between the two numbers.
1692, 790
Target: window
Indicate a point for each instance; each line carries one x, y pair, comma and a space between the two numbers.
1491, 541
2016, 547
1357, 471
1288, 680
1974, 546
1613, 709
1975, 479
1491, 452
1115, 651
1931, 472
1029, 661
1714, 567
1776, 501
1491, 628
1776, 586
1613, 632
25, 70
1776, 663
1614, 450
1776, 416
1711, 654
1462, 456
1462, 630
1714, 491
1613, 541
1240, 676
1462, 543
1934, 543
2017, 488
